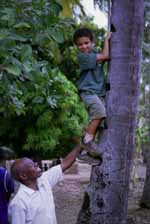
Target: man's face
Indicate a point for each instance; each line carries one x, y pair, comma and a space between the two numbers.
84, 44
31, 169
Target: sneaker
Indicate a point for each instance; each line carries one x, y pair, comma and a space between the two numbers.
86, 158
91, 148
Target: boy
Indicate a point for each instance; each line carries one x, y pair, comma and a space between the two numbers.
34, 203
91, 84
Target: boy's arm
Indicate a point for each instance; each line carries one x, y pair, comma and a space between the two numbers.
70, 158
104, 55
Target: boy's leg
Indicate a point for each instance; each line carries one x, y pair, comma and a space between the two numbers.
91, 130
97, 113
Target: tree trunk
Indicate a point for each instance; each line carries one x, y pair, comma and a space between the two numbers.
145, 200
106, 198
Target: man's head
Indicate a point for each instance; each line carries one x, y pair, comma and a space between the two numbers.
83, 38
25, 170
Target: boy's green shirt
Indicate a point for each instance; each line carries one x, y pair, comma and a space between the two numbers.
92, 74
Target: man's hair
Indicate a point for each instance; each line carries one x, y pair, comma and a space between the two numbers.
82, 32
17, 168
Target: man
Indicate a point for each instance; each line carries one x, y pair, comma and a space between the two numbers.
34, 203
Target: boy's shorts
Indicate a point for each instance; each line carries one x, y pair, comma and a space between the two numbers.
94, 104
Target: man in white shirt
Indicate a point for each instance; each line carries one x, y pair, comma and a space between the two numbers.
34, 203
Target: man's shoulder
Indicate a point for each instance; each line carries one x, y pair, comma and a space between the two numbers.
52, 171
22, 194
52, 176
19, 200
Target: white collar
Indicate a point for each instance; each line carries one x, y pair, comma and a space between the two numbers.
27, 189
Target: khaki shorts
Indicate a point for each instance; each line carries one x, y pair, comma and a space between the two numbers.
95, 105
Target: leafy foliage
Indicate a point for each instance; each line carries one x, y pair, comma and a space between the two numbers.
69, 7
39, 108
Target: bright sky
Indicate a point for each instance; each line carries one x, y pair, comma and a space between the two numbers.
99, 17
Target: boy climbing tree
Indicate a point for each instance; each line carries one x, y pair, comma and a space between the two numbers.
91, 84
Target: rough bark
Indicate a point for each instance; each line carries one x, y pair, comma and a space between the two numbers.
107, 195
145, 200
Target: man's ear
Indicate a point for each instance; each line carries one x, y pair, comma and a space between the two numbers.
23, 177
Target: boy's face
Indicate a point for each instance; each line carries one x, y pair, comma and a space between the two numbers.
84, 44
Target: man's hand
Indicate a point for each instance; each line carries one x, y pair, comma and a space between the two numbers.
70, 158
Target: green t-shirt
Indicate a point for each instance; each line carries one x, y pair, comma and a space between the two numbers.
92, 74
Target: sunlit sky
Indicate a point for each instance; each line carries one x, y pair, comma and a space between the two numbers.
99, 17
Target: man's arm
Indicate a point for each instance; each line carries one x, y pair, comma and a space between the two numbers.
17, 215
104, 55
70, 158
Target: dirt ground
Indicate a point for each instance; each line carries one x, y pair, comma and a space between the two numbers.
69, 195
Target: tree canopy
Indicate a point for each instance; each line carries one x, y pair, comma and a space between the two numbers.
39, 107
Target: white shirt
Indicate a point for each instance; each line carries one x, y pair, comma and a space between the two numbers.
36, 207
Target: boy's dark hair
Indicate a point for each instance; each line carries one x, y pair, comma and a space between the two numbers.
82, 32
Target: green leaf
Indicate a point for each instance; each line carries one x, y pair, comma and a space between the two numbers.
52, 102
56, 8
22, 25
26, 52
38, 99
13, 36
56, 35
41, 64
13, 69
28, 66
8, 15
3, 35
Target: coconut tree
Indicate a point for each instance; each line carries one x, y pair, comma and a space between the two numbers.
106, 198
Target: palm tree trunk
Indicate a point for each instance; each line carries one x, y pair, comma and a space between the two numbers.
145, 200
106, 198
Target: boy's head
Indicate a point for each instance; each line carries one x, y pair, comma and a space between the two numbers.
25, 170
83, 38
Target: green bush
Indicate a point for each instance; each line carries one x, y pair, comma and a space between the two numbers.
40, 111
